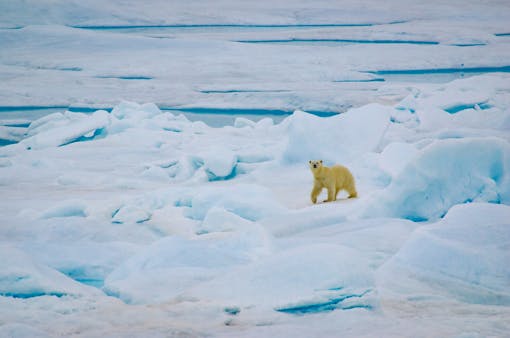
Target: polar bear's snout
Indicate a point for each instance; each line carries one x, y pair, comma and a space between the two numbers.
315, 164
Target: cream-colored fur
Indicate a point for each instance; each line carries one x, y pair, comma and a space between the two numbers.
333, 178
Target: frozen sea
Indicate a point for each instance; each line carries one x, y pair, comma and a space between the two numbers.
154, 174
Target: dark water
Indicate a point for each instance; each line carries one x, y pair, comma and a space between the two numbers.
336, 42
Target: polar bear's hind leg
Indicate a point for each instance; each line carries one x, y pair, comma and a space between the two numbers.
351, 189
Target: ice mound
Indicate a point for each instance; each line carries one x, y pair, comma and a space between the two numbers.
310, 275
22, 277
166, 268
338, 138
59, 129
465, 255
446, 173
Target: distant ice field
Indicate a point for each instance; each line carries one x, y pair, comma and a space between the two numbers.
321, 62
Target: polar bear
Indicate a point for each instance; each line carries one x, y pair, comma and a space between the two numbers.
333, 178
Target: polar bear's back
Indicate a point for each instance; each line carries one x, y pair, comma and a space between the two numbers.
341, 173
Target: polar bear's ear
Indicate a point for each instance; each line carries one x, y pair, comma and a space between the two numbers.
320, 161
310, 162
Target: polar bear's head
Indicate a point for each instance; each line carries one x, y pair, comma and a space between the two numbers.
315, 165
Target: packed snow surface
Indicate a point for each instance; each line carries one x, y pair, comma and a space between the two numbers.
127, 218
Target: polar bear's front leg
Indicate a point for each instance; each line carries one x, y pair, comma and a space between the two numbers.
317, 187
331, 193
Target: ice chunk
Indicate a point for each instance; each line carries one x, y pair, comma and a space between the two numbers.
219, 219
47, 122
134, 111
71, 131
219, 163
22, 277
446, 173
465, 255
338, 138
131, 214
11, 134
169, 122
183, 168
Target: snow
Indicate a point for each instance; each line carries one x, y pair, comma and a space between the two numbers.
155, 179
